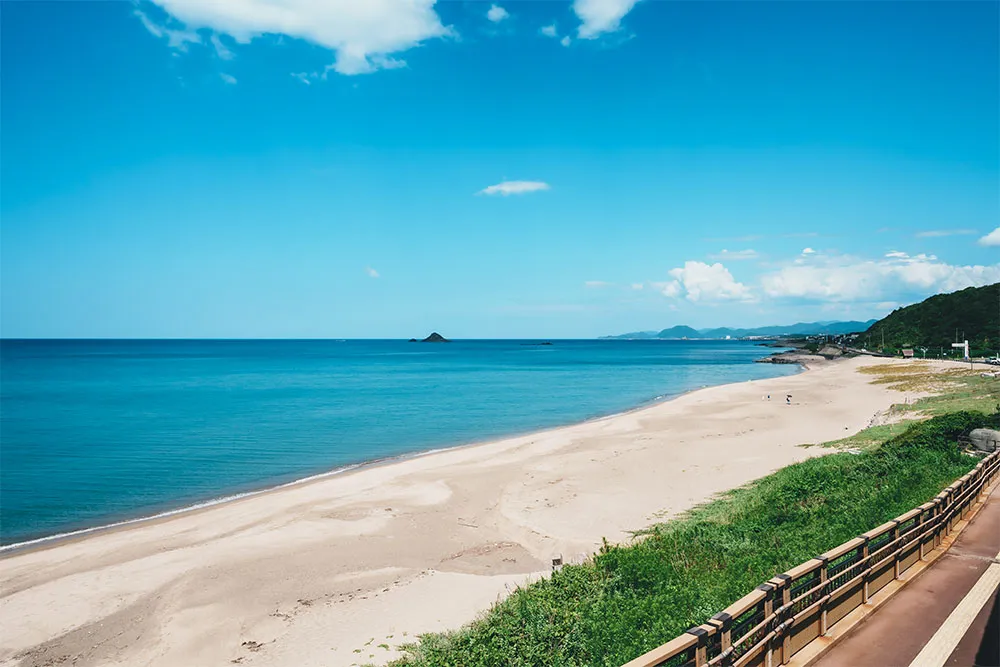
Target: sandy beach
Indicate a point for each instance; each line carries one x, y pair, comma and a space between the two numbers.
338, 571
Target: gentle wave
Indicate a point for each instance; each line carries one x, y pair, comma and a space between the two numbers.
180, 510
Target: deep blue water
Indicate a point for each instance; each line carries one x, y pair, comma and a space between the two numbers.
93, 432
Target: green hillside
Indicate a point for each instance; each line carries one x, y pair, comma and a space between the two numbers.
973, 312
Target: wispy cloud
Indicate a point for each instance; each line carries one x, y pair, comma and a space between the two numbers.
991, 239
372, 273
894, 277
497, 13
514, 188
362, 36
735, 255
228, 78
596, 283
565, 41
826, 278
177, 39
936, 233
600, 16
550, 31
220, 48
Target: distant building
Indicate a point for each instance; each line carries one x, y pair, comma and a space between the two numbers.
907, 354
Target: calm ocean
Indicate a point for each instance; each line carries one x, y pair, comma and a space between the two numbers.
94, 432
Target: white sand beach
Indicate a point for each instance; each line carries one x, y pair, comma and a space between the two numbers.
324, 572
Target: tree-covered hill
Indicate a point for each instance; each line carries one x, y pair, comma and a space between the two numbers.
973, 313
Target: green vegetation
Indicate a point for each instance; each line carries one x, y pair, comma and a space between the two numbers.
933, 323
955, 390
631, 598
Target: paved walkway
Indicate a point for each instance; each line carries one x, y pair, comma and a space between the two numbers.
897, 632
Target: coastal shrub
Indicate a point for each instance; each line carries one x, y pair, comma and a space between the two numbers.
631, 598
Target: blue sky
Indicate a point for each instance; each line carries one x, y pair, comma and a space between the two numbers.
540, 169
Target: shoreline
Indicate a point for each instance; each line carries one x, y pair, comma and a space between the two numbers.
330, 570
60, 538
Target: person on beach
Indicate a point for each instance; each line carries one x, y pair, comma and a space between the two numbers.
788, 399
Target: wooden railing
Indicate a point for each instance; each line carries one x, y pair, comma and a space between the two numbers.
771, 624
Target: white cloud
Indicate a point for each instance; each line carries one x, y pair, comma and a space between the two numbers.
362, 35
699, 281
671, 289
600, 16
550, 31
808, 251
305, 77
596, 283
637, 286
727, 255
935, 233
176, 38
895, 277
991, 239
565, 40
497, 13
895, 254
220, 48
372, 273
514, 188
228, 78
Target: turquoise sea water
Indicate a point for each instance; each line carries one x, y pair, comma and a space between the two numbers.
94, 432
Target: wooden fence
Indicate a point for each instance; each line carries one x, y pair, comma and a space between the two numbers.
768, 626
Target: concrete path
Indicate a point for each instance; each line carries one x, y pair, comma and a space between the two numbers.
896, 634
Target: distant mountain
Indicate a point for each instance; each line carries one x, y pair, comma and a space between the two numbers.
636, 335
973, 313
797, 329
678, 332
812, 328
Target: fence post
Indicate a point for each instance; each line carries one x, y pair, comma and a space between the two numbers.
824, 577
724, 622
786, 600
768, 589
896, 549
868, 567
946, 511
936, 518
921, 536
701, 650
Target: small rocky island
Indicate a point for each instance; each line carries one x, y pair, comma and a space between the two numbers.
433, 338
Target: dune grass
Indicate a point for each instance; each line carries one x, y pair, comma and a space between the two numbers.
630, 598
954, 390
